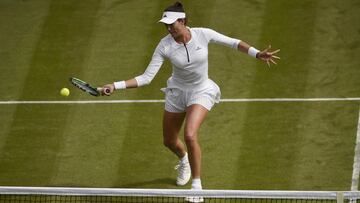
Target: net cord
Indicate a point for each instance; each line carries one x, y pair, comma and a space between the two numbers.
259, 194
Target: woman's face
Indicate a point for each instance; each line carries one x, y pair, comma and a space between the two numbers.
176, 29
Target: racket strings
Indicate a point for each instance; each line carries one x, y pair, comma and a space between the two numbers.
84, 87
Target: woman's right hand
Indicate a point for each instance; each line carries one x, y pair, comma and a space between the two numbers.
107, 90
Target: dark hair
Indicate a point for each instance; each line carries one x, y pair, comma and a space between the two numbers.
177, 7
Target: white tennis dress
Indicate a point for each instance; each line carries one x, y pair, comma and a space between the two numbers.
189, 83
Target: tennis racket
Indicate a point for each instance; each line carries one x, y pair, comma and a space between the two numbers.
86, 87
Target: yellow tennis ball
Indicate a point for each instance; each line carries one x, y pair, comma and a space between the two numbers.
64, 92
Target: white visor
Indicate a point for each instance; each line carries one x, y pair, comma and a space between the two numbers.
169, 17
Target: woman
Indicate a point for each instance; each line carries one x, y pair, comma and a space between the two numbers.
190, 94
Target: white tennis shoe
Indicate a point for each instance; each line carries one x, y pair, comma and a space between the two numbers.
184, 173
194, 199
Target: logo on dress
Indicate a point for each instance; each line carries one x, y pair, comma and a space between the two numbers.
197, 48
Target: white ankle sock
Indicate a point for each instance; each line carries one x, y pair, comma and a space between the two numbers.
196, 184
184, 159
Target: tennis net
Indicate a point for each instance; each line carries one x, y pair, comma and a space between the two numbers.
110, 195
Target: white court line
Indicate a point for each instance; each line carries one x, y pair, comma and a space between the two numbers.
83, 102
356, 166
162, 101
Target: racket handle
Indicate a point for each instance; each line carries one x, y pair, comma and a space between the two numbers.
105, 91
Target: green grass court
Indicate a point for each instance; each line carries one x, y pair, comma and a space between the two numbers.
246, 145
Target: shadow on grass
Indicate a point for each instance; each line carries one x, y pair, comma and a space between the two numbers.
158, 183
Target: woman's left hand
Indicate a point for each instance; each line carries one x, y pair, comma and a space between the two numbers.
268, 56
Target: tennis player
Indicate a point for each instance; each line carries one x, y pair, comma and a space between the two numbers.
189, 94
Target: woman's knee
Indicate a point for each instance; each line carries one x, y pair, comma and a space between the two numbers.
169, 143
190, 136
